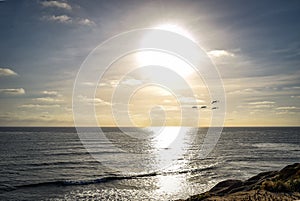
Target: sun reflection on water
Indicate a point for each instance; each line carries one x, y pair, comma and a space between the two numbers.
170, 184
170, 146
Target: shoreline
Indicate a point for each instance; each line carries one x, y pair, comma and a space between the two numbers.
273, 185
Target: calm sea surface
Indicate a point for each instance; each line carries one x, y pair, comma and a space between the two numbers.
52, 163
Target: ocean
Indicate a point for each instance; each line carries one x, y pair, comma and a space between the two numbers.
43, 163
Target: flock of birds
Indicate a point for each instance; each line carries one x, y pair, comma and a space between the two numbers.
206, 107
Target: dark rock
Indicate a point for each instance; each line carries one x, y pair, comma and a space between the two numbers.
225, 186
289, 172
286, 183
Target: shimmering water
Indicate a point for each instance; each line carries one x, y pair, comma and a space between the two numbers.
52, 164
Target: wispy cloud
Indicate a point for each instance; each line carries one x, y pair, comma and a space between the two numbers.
38, 106
262, 103
94, 101
190, 100
264, 85
50, 93
165, 108
13, 92
85, 21
287, 108
285, 112
57, 4
48, 100
88, 83
132, 82
258, 106
220, 53
65, 19
25, 118
243, 91
262, 106
291, 88
7, 72
49, 97
109, 83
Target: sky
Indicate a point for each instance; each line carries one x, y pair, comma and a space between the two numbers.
255, 45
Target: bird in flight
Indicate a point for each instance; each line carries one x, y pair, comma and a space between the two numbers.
206, 107
214, 101
201, 107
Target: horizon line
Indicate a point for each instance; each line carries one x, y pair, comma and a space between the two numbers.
242, 126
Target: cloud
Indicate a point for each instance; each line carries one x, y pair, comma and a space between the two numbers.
261, 103
220, 53
93, 101
7, 72
258, 106
264, 86
86, 22
243, 91
38, 106
190, 100
256, 111
50, 97
285, 112
57, 4
291, 88
64, 19
50, 93
109, 83
165, 108
132, 82
48, 100
13, 92
287, 108
25, 118
262, 106
88, 84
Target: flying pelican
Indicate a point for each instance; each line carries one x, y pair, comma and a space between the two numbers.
214, 101
202, 107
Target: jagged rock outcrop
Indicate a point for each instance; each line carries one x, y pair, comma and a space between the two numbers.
274, 185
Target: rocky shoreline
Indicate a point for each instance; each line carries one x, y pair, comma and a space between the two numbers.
283, 185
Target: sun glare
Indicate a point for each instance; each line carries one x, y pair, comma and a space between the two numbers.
157, 58
160, 58
176, 29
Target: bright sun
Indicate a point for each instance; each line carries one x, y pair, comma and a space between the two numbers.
159, 58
